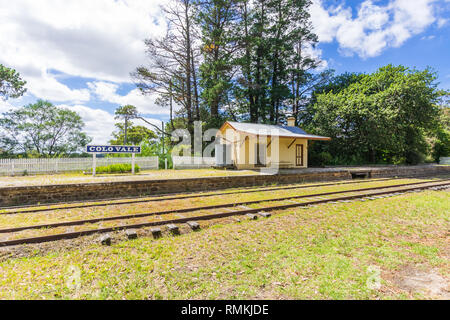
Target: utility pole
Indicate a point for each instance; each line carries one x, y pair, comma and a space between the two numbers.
126, 129
163, 138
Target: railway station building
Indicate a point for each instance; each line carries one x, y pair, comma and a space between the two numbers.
253, 146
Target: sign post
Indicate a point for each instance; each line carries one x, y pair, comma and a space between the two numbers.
94, 164
94, 150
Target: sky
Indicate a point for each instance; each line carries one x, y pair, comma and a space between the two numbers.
79, 54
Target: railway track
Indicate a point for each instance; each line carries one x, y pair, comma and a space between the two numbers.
106, 202
239, 209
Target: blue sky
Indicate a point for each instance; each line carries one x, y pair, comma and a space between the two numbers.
79, 53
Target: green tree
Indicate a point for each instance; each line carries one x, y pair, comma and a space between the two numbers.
135, 134
328, 83
126, 113
217, 20
11, 84
382, 117
275, 37
42, 129
441, 141
171, 71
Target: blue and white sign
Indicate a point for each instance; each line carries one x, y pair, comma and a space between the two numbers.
113, 149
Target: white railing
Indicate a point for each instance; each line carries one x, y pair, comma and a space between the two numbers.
34, 166
193, 162
444, 160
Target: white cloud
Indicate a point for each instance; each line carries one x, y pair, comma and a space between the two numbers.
441, 22
430, 37
103, 40
107, 91
99, 124
48, 87
99, 39
326, 22
375, 27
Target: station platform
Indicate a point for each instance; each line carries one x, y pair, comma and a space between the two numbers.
56, 193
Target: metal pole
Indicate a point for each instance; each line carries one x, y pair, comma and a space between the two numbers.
165, 161
94, 164
133, 160
163, 146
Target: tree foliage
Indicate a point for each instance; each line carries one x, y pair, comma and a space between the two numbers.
172, 68
11, 84
239, 59
441, 142
126, 113
136, 134
254, 60
379, 117
42, 129
217, 21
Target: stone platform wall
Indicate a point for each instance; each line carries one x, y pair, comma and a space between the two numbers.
31, 195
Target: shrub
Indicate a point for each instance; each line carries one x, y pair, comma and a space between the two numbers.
117, 168
320, 159
441, 147
414, 157
162, 163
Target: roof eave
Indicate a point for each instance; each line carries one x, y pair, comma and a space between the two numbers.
268, 135
321, 139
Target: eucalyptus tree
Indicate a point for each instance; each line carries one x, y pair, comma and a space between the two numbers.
276, 40
171, 66
126, 113
218, 22
11, 84
42, 129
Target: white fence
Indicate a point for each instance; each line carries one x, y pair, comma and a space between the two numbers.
34, 166
444, 160
193, 162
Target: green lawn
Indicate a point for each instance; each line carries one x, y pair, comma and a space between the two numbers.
332, 251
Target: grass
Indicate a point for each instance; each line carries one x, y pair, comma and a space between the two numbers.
64, 178
323, 252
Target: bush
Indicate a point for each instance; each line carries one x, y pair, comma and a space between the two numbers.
320, 159
162, 163
441, 147
117, 168
414, 157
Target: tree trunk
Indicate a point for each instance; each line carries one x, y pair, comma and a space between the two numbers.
171, 104
188, 67
251, 98
197, 103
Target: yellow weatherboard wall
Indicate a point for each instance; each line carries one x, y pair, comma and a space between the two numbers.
276, 151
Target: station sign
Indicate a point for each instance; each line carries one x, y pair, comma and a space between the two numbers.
113, 149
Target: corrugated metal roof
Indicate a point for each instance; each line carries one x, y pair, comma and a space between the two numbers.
274, 130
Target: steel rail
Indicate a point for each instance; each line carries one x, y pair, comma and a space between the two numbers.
161, 197
184, 210
77, 234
